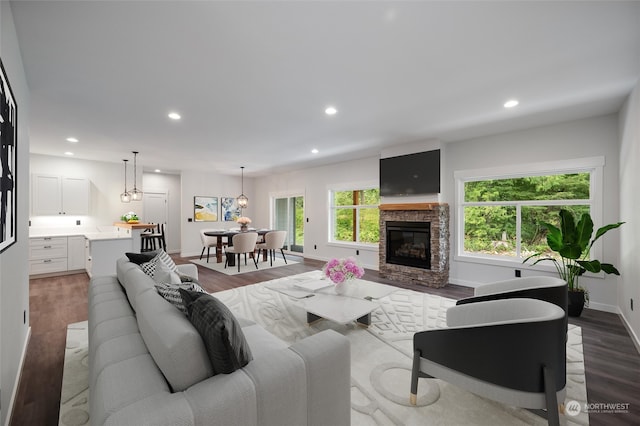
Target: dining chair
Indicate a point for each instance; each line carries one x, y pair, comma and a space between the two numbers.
273, 241
242, 243
208, 242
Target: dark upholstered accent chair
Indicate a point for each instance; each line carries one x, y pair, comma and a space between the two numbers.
550, 289
512, 351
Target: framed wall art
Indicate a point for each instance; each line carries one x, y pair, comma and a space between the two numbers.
230, 209
8, 162
205, 209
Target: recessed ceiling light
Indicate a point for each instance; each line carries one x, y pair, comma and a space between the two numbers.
511, 103
330, 111
157, 170
69, 153
72, 140
174, 116
314, 151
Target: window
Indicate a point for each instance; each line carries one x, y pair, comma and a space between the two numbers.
355, 215
500, 214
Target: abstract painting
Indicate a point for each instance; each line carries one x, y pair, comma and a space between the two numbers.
8, 161
205, 209
230, 209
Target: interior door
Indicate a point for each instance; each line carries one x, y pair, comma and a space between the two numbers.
155, 208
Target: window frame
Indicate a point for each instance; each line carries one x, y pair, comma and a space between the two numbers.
332, 208
592, 165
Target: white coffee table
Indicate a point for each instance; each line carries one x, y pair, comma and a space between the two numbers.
341, 309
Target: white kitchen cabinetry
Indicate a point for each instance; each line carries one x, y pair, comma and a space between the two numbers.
58, 195
47, 255
76, 253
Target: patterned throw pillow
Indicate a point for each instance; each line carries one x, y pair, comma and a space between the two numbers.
171, 293
149, 267
223, 338
167, 259
163, 274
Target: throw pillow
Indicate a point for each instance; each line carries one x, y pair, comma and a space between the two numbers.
140, 258
162, 273
167, 259
150, 267
221, 333
171, 293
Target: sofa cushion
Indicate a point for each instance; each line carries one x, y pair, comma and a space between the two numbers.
162, 255
171, 293
136, 282
176, 346
222, 335
149, 267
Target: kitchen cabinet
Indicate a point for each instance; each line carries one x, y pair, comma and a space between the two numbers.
60, 195
76, 253
49, 255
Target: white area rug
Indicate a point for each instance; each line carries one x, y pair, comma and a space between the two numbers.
381, 359
249, 267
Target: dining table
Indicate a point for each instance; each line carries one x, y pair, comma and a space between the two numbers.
228, 234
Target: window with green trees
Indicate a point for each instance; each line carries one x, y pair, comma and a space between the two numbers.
503, 216
355, 215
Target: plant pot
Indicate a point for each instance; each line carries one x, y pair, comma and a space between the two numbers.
576, 303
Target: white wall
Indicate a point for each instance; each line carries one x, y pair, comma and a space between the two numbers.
629, 208
212, 185
14, 280
314, 184
577, 139
160, 182
107, 182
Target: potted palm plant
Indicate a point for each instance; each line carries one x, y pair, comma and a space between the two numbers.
572, 242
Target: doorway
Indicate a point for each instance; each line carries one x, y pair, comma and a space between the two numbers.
155, 209
289, 216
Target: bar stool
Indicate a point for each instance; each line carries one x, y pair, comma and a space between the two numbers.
153, 240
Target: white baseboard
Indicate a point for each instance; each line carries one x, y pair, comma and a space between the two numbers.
23, 356
634, 336
604, 307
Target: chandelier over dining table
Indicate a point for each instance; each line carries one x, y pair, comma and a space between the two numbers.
243, 201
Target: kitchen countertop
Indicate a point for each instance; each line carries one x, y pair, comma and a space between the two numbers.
92, 234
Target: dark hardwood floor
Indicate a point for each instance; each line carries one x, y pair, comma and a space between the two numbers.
611, 360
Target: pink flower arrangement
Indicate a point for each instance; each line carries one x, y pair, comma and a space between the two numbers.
341, 270
243, 220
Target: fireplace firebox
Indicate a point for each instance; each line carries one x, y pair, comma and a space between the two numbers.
409, 244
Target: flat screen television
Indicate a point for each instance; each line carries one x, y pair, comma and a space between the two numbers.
412, 174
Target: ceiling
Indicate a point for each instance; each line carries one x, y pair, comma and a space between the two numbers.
251, 80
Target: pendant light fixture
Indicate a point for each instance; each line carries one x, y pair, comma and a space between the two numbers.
136, 194
125, 197
243, 201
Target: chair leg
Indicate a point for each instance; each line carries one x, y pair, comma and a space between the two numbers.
208, 248
413, 399
255, 261
238, 260
271, 252
551, 399
285, 259
202, 254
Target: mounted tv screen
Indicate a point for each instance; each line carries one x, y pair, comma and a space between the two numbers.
412, 174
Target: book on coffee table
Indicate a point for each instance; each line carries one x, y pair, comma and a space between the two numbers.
313, 285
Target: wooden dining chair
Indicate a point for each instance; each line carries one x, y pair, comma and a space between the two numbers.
242, 243
154, 238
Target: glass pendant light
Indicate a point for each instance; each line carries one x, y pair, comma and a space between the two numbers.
243, 201
125, 197
136, 194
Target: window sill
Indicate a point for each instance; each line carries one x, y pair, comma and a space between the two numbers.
358, 246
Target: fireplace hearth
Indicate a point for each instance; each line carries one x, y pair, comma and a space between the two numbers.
414, 243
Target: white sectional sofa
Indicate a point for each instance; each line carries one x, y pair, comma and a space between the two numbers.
148, 366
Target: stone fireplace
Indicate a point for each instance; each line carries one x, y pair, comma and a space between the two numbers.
414, 243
